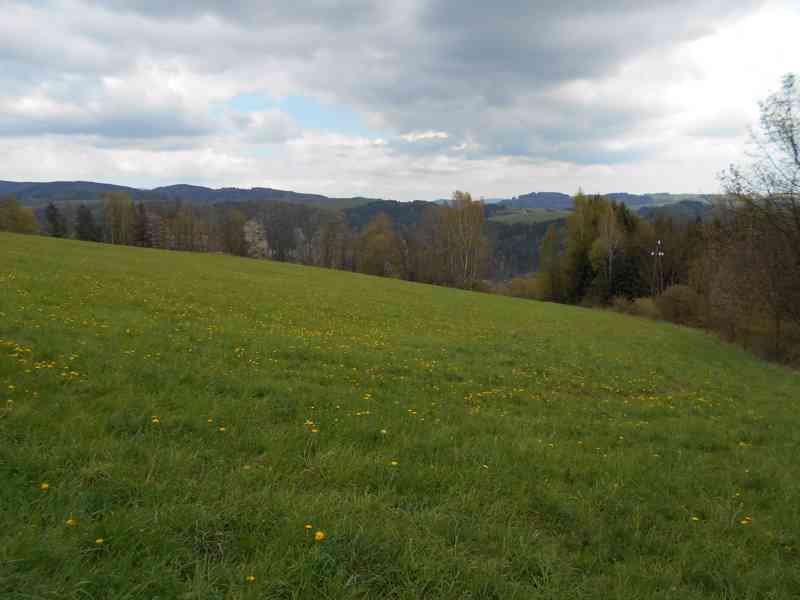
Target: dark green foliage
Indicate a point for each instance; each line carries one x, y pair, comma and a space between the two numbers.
685, 210
56, 226
85, 227
515, 247
610, 252
551, 273
402, 214
141, 232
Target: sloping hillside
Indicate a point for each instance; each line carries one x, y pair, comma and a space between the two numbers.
193, 426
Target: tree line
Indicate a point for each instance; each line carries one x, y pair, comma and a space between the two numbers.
737, 273
447, 246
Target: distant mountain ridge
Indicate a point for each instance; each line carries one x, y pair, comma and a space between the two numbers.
559, 201
37, 194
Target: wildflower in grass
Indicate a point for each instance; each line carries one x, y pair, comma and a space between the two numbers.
155, 420
746, 520
383, 431
314, 430
99, 541
695, 519
394, 463
210, 419
319, 536
222, 429
307, 527
44, 486
71, 522
250, 579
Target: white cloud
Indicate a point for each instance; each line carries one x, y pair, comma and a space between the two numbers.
266, 126
424, 135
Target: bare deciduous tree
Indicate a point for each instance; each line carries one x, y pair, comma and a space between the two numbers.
762, 227
467, 248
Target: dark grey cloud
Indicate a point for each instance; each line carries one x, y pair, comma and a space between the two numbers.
495, 75
331, 13
128, 125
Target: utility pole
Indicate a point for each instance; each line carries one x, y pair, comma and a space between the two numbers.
658, 268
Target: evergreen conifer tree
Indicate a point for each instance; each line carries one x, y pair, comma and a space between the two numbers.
85, 227
55, 221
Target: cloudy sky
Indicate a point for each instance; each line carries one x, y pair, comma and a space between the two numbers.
401, 100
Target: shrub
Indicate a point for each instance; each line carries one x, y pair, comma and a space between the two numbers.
680, 304
524, 287
481, 286
640, 307
645, 307
622, 304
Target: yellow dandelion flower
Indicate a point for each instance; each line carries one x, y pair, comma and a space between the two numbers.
315, 430
394, 463
155, 420
210, 419
44, 486
222, 429
383, 431
695, 518
319, 536
307, 526
250, 579
747, 520
72, 521
99, 541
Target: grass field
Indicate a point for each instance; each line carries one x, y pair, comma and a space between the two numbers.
171, 423
512, 216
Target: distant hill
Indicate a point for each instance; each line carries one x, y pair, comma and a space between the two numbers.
402, 213
37, 194
685, 210
553, 200
632, 200
558, 201
203, 195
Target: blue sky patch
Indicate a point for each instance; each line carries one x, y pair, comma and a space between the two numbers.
309, 112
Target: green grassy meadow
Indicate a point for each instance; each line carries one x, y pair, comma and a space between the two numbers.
529, 216
191, 414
